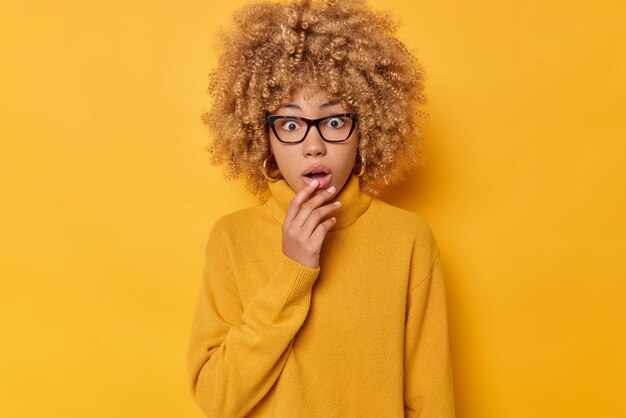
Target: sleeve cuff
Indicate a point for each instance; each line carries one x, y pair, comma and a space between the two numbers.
292, 282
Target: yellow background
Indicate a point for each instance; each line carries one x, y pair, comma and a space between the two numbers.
108, 199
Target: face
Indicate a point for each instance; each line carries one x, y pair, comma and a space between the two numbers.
314, 153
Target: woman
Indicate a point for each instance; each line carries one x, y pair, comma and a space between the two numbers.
322, 301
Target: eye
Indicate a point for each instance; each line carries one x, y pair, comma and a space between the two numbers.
290, 125
335, 123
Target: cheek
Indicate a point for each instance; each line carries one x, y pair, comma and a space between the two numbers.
354, 148
348, 156
277, 149
273, 143
284, 156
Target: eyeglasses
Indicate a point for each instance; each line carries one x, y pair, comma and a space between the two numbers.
293, 129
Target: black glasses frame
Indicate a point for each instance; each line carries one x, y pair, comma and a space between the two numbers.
312, 122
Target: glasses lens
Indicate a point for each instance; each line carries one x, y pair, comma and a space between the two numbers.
336, 128
290, 130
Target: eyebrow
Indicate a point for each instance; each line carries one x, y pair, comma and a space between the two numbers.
322, 106
331, 103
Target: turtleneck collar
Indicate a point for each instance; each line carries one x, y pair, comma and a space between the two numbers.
354, 202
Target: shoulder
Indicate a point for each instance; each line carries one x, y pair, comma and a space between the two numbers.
403, 221
229, 231
412, 237
233, 219
241, 221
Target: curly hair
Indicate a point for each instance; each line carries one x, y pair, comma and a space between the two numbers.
340, 46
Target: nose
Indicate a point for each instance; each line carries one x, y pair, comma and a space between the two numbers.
313, 144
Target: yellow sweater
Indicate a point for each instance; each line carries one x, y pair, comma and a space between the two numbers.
363, 335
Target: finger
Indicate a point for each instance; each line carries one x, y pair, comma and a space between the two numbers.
312, 204
316, 217
322, 229
296, 203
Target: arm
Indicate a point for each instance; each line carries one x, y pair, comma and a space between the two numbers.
235, 355
428, 390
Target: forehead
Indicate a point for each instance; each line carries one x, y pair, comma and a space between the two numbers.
312, 96
308, 93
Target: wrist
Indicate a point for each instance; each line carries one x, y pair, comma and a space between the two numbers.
311, 263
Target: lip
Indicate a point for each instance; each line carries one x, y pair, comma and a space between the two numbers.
316, 168
322, 181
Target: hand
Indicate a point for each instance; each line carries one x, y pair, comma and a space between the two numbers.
303, 231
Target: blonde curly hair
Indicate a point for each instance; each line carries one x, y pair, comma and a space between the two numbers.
338, 45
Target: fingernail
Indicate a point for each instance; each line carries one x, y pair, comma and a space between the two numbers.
314, 183
331, 189
337, 203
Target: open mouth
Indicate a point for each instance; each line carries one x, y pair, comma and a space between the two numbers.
322, 176
316, 175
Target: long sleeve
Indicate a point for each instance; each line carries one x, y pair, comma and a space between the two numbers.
235, 355
428, 389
